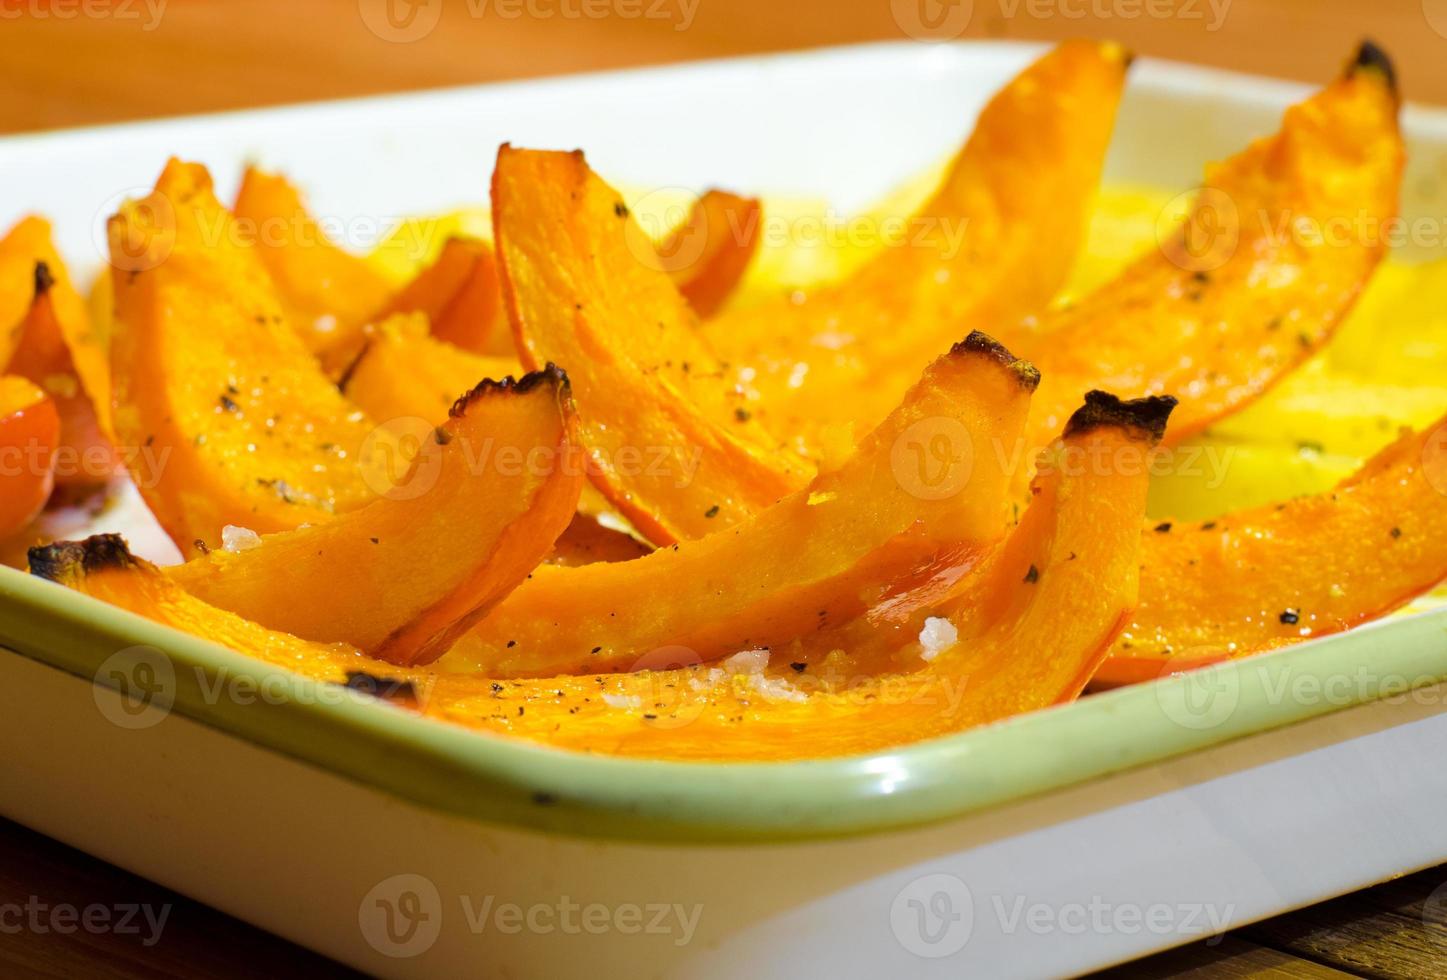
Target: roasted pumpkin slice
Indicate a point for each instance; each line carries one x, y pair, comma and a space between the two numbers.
51, 344
408, 378
25, 247
1270, 258
460, 295
327, 292
1026, 631
673, 443
402, 577
211, 381
1038, 615
25, 244
706, 255
403, 372
1262, 578
913, 509
102, 566
29, 432
994, 243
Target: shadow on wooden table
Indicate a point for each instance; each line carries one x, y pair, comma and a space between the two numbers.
96, 920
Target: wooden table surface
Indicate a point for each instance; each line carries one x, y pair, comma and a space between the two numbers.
76, 62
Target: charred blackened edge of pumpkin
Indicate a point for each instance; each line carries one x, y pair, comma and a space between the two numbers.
384, 688
550, 374
979, 342
66, 560
1145, 416
44, 279
1371, 58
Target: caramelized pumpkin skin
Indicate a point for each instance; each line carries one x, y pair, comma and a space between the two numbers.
482, 505
994, 243
29, 432
212, 382
1278, 245
707, 254
912, 510
327, 292
673, 443
1262, 578
1033, 620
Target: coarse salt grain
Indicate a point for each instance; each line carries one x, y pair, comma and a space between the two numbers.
747, 662
776, 689
937, 636
622, 700
237, 539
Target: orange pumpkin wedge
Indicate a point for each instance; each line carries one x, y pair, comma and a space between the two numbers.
1032, 623
212, 383
29, 432
404, 372
994, 243
102, 566
26, 246
1277, 246
461, 296
707, 254
1038, 615
1262, 578
407, 378
916, 506
402, 577
21, 247
672, 442
47, 356
327, 292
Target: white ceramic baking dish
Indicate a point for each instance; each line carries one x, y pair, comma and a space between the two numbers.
1052, 844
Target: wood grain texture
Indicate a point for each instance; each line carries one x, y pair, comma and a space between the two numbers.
1230, 958
164, 57
40, 879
